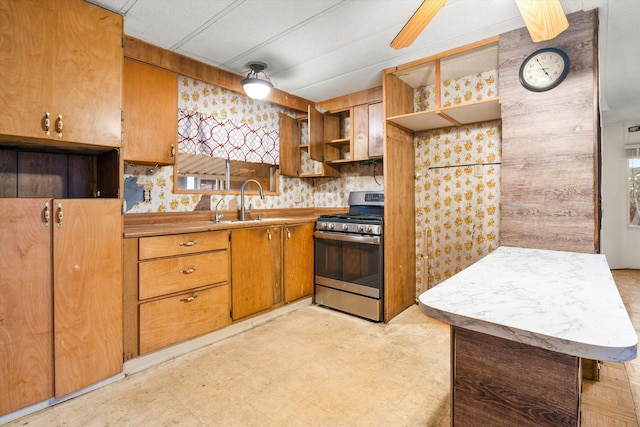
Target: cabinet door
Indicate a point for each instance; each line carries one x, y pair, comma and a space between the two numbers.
376, 130
316, 134
251, 271
360, 127
26, 369
150, 101
88, 73
87, 292
289, 146
25, 86
298, 261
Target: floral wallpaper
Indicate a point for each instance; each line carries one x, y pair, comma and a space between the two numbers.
470, 88
457, 199
457, 184
204, 98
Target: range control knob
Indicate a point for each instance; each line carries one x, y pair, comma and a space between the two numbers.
345, 226
360, 228
369, 229
323, 225
331, 226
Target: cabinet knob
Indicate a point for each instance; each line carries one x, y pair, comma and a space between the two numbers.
269, 234
188, 271
59, 215
189, 243
46, 214
46, 123
59, 125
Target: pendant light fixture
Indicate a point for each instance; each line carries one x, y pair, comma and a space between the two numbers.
257, 87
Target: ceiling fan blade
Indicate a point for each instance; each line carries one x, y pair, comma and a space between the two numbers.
544, 19
417, 22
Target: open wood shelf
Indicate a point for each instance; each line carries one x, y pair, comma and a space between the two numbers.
472, 112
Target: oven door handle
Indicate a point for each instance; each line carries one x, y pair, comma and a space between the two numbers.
343, 237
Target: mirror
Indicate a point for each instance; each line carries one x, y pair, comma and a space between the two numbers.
203, 174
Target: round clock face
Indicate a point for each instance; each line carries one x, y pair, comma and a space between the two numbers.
544, 69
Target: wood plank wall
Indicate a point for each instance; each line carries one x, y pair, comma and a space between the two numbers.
550, 145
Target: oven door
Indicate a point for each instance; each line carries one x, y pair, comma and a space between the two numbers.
349, 262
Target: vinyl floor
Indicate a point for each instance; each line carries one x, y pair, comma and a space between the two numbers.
318, 367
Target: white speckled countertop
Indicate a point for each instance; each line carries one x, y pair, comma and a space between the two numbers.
561, 301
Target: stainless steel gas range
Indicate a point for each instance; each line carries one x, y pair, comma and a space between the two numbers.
349, 257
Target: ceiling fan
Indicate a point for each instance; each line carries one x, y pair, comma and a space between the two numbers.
544, 19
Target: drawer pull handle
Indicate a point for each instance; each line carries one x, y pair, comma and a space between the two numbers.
189, 243
191, 298
188, 271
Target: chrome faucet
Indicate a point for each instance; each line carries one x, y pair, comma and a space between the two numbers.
218, 216
244, 211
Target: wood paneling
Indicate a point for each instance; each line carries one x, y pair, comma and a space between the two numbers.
549, 190
368, 96
498, 382
154, 55
8, 173
42, 175
399, 222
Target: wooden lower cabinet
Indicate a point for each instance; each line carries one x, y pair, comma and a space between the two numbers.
254, 269
298, 261
173, 319
60, 288
26, 319
176, 288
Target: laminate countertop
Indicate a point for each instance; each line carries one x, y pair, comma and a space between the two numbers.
561, 301
174, 227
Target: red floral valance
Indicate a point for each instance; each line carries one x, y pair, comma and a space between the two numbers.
222, 138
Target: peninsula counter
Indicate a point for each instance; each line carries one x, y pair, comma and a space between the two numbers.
521, 320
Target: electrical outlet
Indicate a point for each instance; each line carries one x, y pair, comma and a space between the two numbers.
477, 171
146, 195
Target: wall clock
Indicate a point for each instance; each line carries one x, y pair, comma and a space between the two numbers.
544, 69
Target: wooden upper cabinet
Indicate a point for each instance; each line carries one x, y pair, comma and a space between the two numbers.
289, 146
150, 104
376, 130
316, 134
429, 80
66, 71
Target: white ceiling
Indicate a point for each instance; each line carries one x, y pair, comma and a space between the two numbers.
320, 49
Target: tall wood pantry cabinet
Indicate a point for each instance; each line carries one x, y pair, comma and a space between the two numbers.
60, 179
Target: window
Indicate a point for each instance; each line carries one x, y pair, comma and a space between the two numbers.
634, 191
203, 174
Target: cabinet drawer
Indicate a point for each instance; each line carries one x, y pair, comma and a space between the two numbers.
177, 274
180, 244
174, 319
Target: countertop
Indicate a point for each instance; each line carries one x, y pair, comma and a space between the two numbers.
157, 229
561, 301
